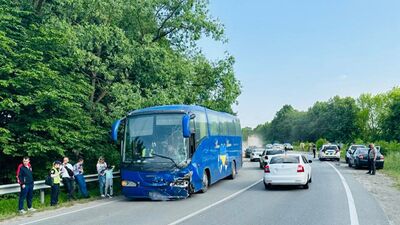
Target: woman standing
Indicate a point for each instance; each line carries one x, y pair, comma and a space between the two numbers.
101, 169
55, 187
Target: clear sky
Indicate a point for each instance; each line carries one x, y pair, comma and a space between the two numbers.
299, 52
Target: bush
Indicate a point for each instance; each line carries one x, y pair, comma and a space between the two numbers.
321, 142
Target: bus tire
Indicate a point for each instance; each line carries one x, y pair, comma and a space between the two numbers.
233, 171
205, 182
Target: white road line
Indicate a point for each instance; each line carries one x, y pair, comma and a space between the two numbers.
214, 204
350, 200
70, 212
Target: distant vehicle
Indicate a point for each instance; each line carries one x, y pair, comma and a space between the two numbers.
288, 169
329, 152
269, 146
359, 159
351, 150
255, 154
172, 151
249, 150
288, 146
266, 156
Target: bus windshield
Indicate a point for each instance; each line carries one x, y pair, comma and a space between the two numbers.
154, 142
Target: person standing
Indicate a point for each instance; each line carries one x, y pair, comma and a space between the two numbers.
25, 180
372, 154
55, 174
314, 149
101, 167
79, 178
68, 178
109, 181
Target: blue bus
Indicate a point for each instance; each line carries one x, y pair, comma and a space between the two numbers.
172, 151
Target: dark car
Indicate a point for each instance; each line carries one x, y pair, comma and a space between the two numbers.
359, 159
351, 150
248, 151
266, 156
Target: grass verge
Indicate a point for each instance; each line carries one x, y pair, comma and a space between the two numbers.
392, 167
9, 203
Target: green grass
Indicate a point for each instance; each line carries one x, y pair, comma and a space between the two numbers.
392, 167
9, 203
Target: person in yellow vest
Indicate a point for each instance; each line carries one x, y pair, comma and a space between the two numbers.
55, 187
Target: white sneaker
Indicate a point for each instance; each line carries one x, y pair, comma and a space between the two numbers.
32, 209
103, 196
22, 211
110, 196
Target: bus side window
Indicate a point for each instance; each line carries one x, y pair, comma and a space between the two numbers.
201, 126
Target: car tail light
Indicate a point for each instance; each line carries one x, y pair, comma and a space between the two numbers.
337, 150
382, 157
300, 169
361, 156
266, 169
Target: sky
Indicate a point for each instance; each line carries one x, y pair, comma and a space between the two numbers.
299, 52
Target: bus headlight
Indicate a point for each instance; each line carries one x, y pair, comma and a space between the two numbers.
126, 183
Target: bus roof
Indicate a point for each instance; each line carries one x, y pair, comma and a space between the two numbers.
174, 108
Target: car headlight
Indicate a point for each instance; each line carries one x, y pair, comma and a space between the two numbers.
126, 183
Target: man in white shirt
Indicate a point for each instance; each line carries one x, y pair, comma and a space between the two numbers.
67, 174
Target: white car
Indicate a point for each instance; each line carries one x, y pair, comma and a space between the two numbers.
329, 152
288, 169
256, 154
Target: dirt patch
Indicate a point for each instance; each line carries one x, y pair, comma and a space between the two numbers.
382, 187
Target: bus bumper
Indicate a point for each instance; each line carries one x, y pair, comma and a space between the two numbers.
155, 193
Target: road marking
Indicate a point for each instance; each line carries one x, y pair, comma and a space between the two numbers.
350, 200
215, 204
70, 212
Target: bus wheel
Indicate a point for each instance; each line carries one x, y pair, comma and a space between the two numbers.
204, 182
233, 171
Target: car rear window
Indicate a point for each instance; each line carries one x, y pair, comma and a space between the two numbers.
362, 150
285, 159
332, 147
275, 152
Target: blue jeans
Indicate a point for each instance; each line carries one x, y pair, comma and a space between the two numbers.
26, 193
80, 180
102, 184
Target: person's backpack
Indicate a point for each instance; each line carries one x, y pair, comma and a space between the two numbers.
70, 172
49, 180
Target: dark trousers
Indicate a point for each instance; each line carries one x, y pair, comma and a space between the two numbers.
55, 190
314, 152
69, 187
26, 193
373, 166
80, 181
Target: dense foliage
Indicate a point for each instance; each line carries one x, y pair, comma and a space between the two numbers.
369, 118
68, 68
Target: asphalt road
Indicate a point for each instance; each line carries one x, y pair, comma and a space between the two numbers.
241, 201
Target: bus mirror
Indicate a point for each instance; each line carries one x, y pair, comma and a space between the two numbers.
186, 126
114, 130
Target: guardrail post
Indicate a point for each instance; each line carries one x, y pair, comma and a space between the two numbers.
42, 196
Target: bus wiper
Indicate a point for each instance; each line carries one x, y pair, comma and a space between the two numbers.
166, 157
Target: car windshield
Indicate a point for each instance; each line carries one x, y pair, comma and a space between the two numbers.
284, 159
259, 150
275, 152
155, 142
354, 147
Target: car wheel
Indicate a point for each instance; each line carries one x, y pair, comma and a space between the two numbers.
350, 165
310, 180
205, 183
233, 171
261, 166
347, 160
306, 186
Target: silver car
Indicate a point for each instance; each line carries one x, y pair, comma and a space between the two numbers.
256, 154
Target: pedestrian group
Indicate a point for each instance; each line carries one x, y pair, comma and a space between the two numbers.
62, 172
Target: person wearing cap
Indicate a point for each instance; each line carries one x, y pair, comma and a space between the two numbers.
55, 187
79, 178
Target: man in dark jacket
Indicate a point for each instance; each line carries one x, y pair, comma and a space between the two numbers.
25, 180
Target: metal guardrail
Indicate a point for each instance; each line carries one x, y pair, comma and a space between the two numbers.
41, 186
